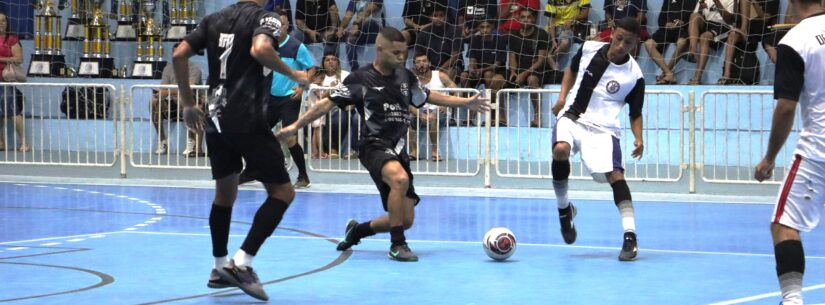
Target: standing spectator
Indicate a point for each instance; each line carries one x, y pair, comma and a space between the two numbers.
565, 17
773, 37
441, 42
11, 101
488, 55
369, 19
673, 21
528, 53
429, 117
509, 12
417, 15
277, 5
471, 12
316, 21
710, 20
164, 106
317, 143
753, 18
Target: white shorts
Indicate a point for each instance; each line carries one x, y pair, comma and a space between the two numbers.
601, 152
800, 199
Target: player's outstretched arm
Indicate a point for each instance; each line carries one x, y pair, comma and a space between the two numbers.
783, 117
316, 111
475, 102
265, 54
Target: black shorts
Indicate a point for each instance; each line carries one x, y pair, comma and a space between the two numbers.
664, 36
717, 29
282, 109
549, 76
373, 155
474, 82
261, 151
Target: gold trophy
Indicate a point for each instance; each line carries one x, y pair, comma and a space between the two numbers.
149, 62
75, 30
48, 59
125, 24
183, 13
96, 60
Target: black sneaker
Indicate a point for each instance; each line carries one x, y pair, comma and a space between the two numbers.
215, 281
402, 253
568, 229
349, 238
303, 182
245, 279
629, 247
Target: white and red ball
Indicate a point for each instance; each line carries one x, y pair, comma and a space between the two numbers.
499, 243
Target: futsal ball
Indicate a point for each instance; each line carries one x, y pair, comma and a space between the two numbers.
499, 243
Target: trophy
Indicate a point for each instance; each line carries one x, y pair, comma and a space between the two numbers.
96, 61
125, 24
75, 29
149, 62
48, 59
183, 18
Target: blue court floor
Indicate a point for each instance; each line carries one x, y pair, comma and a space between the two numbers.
89, 244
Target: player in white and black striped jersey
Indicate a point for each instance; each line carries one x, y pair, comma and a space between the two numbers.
604, 77
798, 80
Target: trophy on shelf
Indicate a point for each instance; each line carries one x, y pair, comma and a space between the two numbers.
48, 58
149, 62
75, 30
183, 13
125, 24
96, 60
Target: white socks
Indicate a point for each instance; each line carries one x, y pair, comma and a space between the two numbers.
628, 218
791, 286
242, 259
560, 188
220, 262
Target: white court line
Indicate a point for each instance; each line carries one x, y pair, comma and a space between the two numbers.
49, 244
53, 238
17, 248
520, 244
74, 240
765, 296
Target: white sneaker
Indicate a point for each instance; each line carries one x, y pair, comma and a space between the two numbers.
190, 147
163, 148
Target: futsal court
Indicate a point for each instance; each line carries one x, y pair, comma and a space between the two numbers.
96, 244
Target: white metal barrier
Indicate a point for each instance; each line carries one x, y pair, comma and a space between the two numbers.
525, 150
438, 143
62, 124
735, 126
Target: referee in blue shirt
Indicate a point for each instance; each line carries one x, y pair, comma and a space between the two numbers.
285, 98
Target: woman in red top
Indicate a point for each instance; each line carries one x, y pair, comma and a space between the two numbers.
12, 102
508, 11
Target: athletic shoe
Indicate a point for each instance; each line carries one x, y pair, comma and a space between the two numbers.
568, 229
215, 281
163, 148
303, 182
402, 253
245, 279
629, 247
349, 238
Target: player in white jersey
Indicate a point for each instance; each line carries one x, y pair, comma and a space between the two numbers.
603, 77
798, 80
430, 117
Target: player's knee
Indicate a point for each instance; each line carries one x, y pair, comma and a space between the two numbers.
399, 181
561, 151
408, 222
614, 176
291, 141
283, 192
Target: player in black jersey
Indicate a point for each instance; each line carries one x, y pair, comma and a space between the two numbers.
382, 92
241, 50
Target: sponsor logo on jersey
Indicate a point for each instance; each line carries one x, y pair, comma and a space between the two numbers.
613, 86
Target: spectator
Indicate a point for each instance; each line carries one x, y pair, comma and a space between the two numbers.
11, 100
566, 17
277, 5
431, 118
342, 122
471, 12
509, 12
673, 21
316, 21
710, 20
771, 40
317, 126
369, 19
528, 52
753, 18
488, 55
164, 106
417, 15
618, 9
441, 42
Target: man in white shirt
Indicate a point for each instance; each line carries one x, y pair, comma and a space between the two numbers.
431, 118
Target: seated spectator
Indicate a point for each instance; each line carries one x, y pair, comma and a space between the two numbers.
509, 12
488, 55
528, 49
710, 20
11, 100
471, 12
441, 42
316, 21
618, 9
164, 106
343, 123
317, 142
753, 18
564, 18
673, 21
771, 40
369, 19
429, 117
417, 14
